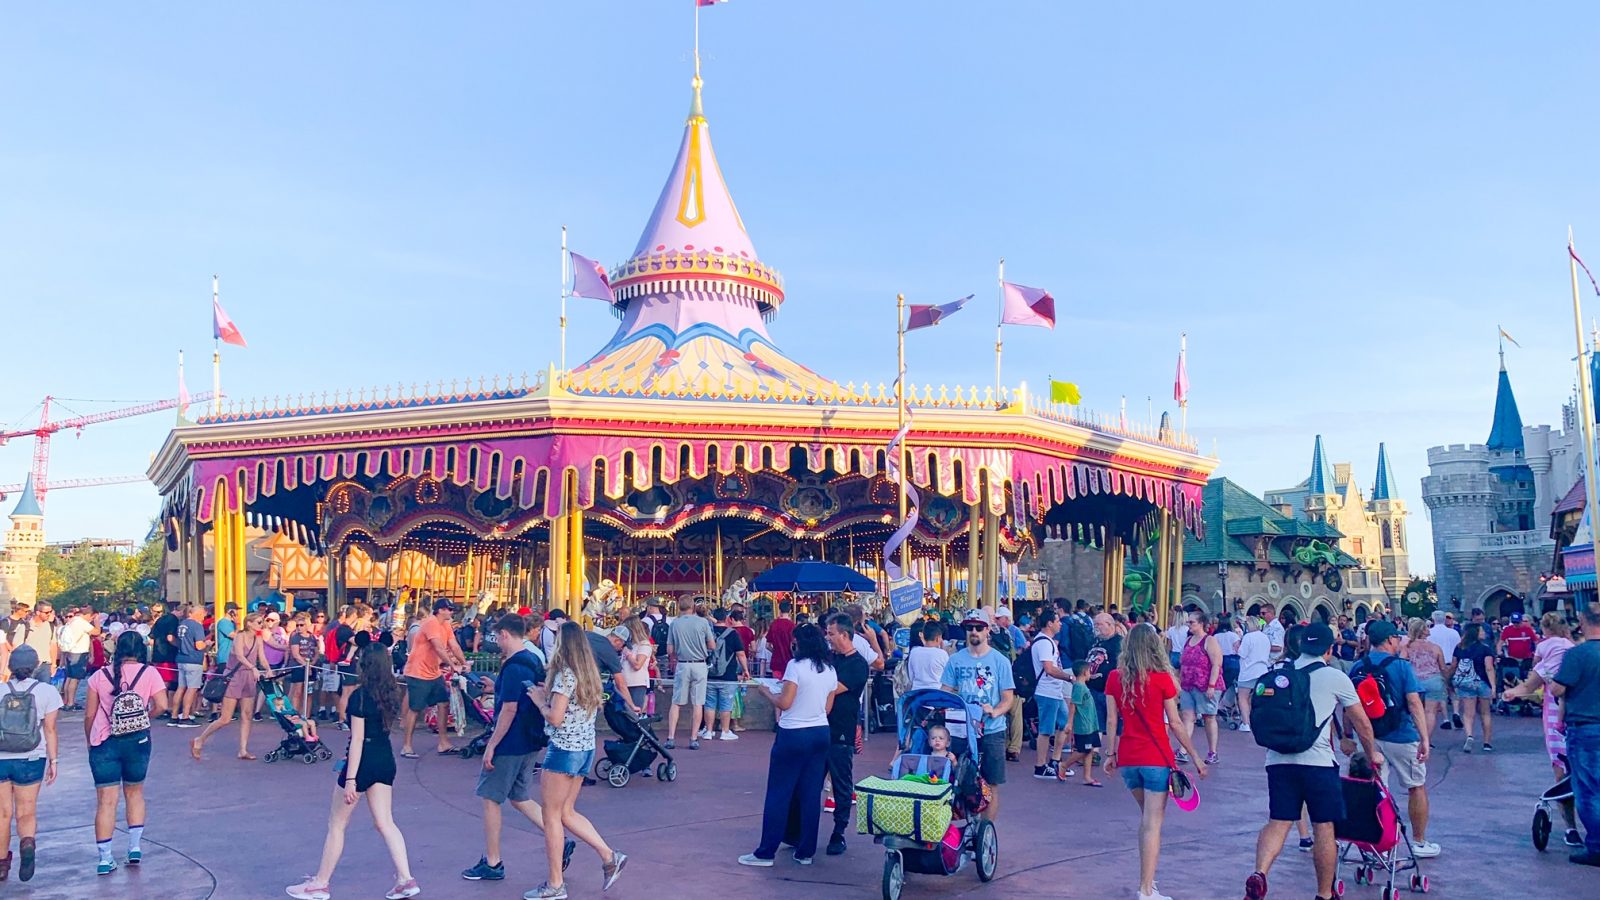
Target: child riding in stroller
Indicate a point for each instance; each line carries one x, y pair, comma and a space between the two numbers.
926, 812
300, 734
634, 750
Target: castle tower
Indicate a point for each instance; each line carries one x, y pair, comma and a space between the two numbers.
694, 299
1321, 491
19, 554
1515, 496
1390, 512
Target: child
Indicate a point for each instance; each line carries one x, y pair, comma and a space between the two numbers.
938, 745
1085, 725
280, 704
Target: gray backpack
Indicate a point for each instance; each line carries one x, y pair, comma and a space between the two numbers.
20, 729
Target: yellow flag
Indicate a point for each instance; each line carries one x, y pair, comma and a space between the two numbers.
1065, 392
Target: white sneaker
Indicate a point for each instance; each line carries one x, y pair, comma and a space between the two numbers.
1153, 895
727, 736
703, 735
750, 859
1244, 727
1425, 849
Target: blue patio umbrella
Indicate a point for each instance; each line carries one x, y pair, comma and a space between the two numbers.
812, 576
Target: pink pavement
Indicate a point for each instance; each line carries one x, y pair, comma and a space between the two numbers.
222, 828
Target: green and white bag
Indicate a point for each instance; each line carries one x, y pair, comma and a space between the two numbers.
909, 809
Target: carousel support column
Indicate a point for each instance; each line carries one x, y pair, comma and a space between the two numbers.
194, 588
575, 556
1177, 562
559, 529
991, 558
221, 565
1115, 565
1161, 566
719, 584
1106, 599
974, 540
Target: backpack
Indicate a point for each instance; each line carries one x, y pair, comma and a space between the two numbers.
721, 656
1394, 712
1079, 639
20, 729
127, 711
658, 636
1025, 681
1282, 718
527, 711
1466, 677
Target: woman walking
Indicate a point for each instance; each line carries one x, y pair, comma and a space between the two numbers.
1255, 654
1200, 678
1473, 675
636, 659
800, 750
116, 720
1145, 691
24, 769
247, 664
367, 769
569, 704
1427, 660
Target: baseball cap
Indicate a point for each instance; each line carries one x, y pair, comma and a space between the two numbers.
1003, 612
975, 617
444, 603
1380, 631
24, 657
1516, 617
1317, 638
620, 632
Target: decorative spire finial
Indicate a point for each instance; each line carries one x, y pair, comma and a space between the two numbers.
696, 110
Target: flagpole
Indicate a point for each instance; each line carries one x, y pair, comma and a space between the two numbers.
1183, 405
1585, 389
900, 422
697, 39
1000, 324
216, 350
183, 390
563, 367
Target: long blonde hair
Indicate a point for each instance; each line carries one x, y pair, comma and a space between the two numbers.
1553, 625
1417, 630
640, 634
572, 652
1144, 654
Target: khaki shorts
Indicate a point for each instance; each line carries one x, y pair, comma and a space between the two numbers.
1401, 761
689, 684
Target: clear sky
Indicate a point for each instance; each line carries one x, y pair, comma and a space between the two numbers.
1337, 205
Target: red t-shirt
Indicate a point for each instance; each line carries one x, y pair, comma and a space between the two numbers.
781, 637
1143, 722
1519, 640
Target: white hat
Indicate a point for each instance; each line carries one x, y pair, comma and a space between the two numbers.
1003, 612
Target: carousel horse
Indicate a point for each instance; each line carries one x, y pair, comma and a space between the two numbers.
604, 604
738, 592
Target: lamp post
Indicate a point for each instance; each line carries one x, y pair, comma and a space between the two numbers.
1222, 585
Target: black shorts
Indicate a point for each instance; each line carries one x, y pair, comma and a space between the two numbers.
296, 675
992, 762
75, 665
422, 693
375, 769
348, 676
1313, 788
1084, 743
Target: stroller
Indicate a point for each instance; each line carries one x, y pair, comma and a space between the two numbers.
1558, 794
881, 714
1370, 835
477, 707
905, 815
1512, 673
294, 743
634, 749
480, 708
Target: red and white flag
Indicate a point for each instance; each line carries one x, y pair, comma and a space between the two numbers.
222, 327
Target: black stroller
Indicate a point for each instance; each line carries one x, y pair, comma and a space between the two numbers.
634, 749
480, 708
294, 743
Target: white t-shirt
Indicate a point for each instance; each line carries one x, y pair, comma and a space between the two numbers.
1274, 631
1255, 652
1330, 689
46, 700
75, 635
865, 649
926, 666
639, 677
1045, 649
1447, 638
812, 688
1229, 642
1177, 635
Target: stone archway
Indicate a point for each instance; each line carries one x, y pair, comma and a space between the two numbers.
1500, 601
1323, 610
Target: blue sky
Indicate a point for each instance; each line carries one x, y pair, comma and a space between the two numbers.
1338, 205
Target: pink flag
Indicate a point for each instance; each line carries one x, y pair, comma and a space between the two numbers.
709, 2
1180, 385
927, 315
1575, 258
589, 279
222, 327
1023, 305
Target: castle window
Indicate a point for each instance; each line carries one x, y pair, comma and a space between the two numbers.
1388, 537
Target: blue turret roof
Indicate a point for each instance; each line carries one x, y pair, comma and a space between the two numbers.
1381, 489
29, 504
1321, 480
1506, 433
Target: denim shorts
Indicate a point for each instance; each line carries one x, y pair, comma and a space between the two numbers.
1052, 713
120, 760
568, 762
22, 772
1199, 702
1149, 778
1432, 688
1479, 691
720, 695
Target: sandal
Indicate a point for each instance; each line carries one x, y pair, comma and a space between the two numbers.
409, 754
1094, 784
194, 749
5, 867
247, 756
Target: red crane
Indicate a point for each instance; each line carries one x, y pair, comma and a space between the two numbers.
47, 429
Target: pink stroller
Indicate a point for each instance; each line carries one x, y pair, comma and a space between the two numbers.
1373, 837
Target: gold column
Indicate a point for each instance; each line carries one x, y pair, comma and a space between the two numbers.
717, 562
1107, 598
555, 598
991, 558
974, 539
575, 550
1161, 567
221, 567
1177, 561
1115, 568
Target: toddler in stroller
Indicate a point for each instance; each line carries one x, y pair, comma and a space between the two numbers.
300, 734
634, 749
480, 708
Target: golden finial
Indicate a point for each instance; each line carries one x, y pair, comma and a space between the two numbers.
696, 111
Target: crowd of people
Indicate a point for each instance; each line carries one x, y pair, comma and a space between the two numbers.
1093, 689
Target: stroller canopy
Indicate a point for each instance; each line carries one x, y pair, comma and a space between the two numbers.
915, 707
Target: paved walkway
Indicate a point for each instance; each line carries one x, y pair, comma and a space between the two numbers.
227, 829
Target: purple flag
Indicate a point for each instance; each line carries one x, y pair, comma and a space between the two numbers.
589, 279
925, 315
1023, 305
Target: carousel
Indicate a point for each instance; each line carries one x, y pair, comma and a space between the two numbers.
689, 454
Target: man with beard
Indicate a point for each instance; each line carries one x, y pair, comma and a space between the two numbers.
1102, 658
981, 676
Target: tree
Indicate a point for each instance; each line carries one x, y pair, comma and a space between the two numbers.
1420, 599
100, 576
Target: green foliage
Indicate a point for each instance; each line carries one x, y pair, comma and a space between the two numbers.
100, 577
1420, 599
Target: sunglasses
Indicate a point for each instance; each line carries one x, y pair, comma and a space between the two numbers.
977, 627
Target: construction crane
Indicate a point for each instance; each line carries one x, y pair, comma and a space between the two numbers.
47, 428
8, 489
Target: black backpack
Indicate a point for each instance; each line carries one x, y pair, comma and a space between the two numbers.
1024, 680
1079, 638
1395, 713
527, 711
1282, 717
658, 636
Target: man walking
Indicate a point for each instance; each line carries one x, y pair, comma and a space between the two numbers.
1308, 780
689, 646
981, 676
1403, 734
510, 759
780, 637
728, 665
1578, 686
75, 641
164, 653
1051, 684
1102, 658
190, 646
851, 669
1274, 630
433, 644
